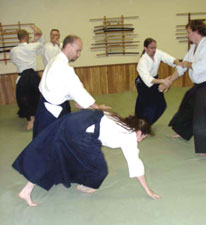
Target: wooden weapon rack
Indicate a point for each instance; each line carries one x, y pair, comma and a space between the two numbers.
114, 37
8, 38
181, 32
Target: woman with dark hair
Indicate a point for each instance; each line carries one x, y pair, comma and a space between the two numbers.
69, 151
150, 103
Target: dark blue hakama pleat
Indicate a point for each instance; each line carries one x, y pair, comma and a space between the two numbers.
65, 153
44, 118
150, 103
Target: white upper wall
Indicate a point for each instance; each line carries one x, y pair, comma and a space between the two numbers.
157, 19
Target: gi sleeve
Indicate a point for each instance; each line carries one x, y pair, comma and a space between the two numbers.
131, 154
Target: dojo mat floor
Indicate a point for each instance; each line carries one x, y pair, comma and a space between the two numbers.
173, 170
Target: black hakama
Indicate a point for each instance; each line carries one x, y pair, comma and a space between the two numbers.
65, 153
190, 118
44, 118
150, 103
27, 93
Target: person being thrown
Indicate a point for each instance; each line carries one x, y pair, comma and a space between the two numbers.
73, 154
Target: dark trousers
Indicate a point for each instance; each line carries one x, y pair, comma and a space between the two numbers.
27, 93
44, 118
190, 118
150, 103
65, 153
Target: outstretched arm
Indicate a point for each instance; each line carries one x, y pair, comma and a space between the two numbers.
102, 107
143, 182
37, 33
186, 64
95, 106
161, 81
169, 80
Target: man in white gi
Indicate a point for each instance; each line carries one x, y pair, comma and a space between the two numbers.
52, 48
59, 84
23, 57
190, 118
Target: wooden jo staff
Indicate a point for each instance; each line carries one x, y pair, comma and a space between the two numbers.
114, 19
7, 30
114, 46
189, 19
118, 53
115, 42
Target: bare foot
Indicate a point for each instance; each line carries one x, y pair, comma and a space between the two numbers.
176, 135
203, 154
30, 123
27, 197
85, 189
25, 193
